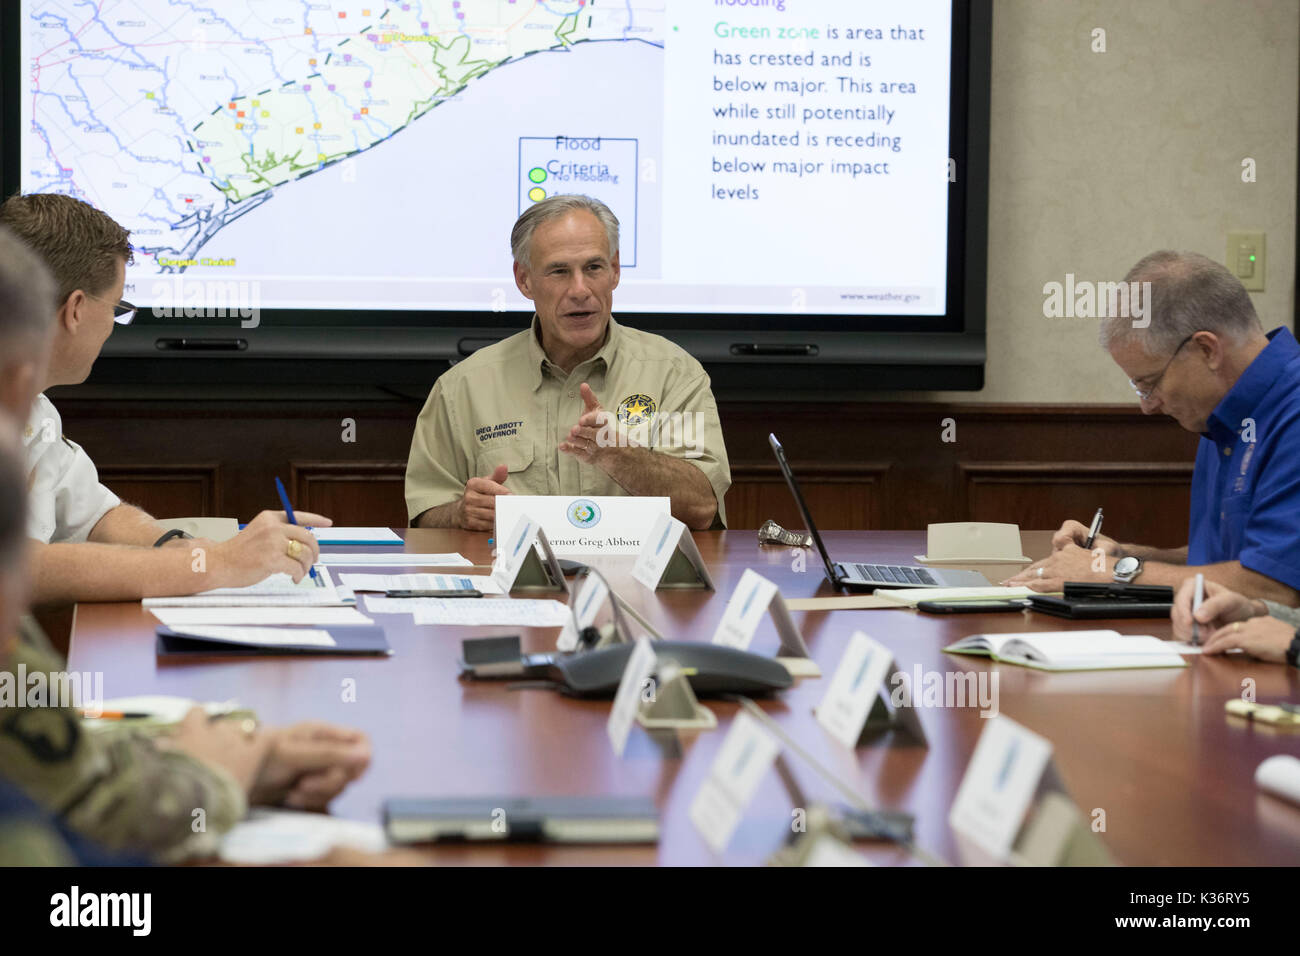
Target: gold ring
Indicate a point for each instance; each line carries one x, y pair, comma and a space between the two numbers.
294, 549
1236, 626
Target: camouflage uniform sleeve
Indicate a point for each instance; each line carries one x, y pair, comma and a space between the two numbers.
32, 843
114, 786
1290, 615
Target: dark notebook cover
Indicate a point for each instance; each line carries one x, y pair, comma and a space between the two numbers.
1093, 601
348, 640
577, 819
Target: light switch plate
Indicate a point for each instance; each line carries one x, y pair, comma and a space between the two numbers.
1245, 259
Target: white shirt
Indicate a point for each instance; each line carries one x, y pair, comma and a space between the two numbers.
64, 497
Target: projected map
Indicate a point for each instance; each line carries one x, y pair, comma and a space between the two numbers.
182, 117
373, 154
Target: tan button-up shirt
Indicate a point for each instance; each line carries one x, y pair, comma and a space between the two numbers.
509, 404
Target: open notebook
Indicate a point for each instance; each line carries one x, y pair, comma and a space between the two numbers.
1071, 650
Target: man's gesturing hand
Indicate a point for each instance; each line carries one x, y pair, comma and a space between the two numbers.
477, 508
585, 441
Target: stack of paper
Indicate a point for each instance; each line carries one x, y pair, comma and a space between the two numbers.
185, 617
384, 536
421, 582
909, 597
278, 590
270, 836
395, 559
473, 613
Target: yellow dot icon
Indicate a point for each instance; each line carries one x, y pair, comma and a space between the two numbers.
537, 194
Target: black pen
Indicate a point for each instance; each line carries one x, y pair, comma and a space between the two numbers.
1092, 532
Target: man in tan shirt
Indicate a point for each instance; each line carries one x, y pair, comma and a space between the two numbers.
575, 405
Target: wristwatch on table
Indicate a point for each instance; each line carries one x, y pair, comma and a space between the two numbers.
1127, 568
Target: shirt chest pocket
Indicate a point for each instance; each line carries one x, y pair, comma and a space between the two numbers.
516, 455
1234, 513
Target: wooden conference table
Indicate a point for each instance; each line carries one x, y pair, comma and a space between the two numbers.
1153, 749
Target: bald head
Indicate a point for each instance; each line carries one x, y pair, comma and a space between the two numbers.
28, 302
1189, 293
13, 534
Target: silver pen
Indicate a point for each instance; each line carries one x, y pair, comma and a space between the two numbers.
1196, 606
1093, 531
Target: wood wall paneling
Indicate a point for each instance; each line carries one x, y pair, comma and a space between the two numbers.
352, 493
1141, 501
847, 496
862, 466
167, 490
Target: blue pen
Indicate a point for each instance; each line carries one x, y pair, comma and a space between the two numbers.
288, 510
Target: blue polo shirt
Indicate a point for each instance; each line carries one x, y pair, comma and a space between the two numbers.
1246, 493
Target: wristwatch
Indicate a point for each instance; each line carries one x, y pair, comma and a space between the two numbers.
1293, 652
1127, 568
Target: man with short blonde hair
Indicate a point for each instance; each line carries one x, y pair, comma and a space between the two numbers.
90, 545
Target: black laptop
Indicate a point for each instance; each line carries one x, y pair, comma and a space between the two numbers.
868, 577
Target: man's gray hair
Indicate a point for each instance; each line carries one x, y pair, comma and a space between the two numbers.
553, 207
28, 297
1189, 293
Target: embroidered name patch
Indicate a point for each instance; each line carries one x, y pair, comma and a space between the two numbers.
503, 430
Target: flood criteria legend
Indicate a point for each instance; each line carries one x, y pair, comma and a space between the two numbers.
602, 167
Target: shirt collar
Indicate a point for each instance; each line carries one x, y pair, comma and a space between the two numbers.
36, 420
1249, 390
538, 361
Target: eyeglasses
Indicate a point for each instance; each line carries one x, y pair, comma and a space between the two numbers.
123, 311
1144, 394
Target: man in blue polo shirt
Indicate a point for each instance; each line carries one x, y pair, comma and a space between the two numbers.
1196, 351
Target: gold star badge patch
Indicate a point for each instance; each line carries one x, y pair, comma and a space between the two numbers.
636, 410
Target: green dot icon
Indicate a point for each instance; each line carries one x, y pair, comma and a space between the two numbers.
537, 174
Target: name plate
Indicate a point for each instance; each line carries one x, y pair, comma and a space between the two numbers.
746, 754
585, 526
518, 563
670, 540
1000, 782
754, 599
633, 688
855, 689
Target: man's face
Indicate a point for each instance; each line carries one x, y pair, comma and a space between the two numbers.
1187, 390
571, 281
96, 313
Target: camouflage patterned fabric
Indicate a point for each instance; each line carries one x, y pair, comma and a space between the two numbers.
114, 786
